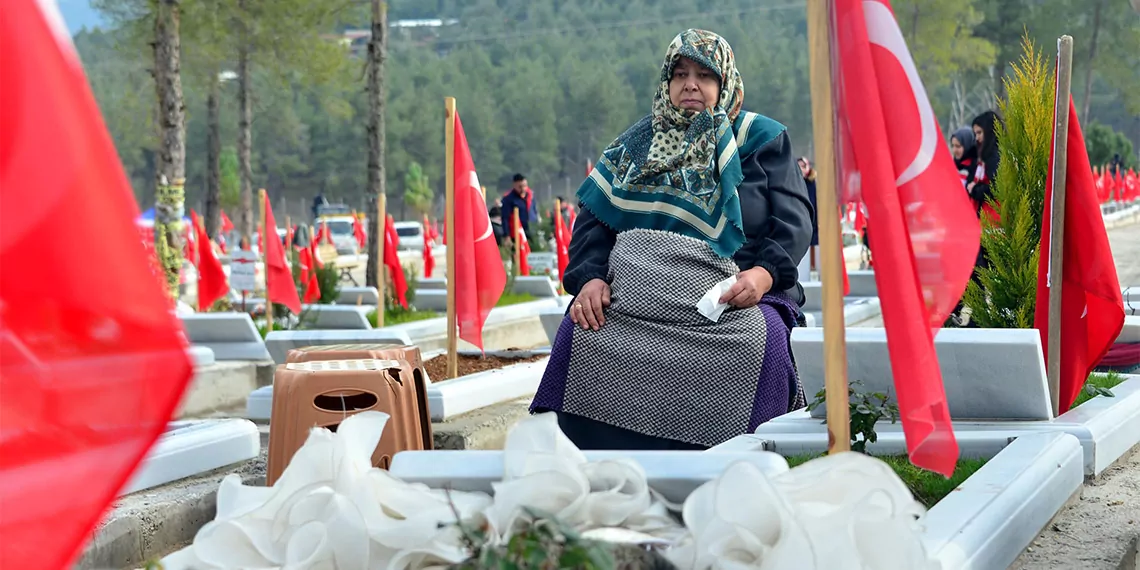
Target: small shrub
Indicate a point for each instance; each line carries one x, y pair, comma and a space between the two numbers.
1006, 295
328, 281
866, 409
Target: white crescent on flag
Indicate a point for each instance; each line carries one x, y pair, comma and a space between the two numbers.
473, 183
883, 31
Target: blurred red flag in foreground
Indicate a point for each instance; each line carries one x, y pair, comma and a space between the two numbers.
1092, 308
926, 234
92, 361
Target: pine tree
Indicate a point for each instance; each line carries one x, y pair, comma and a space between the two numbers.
1006, 296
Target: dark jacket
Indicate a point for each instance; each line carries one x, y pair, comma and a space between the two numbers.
511, 202
777, 217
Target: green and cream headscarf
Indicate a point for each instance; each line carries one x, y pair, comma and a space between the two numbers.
677, 170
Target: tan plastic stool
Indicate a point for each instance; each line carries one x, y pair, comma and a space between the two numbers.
324, 393
415, 404
378, 351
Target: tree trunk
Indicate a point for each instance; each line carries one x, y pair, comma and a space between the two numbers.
1089, 62
170, 168
245, 134
213, 160
377, 54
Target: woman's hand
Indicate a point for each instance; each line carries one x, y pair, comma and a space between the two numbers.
749, 287
586, 311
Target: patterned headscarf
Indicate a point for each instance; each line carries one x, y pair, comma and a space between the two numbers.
675, 169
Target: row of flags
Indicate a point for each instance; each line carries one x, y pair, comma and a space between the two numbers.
93, 360
1123, 187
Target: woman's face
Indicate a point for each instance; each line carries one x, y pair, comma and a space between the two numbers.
693, 87
979, 136
956, 148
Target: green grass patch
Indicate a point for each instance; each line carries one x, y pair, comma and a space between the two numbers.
1098, 384
927, 487
514, 299
399, 316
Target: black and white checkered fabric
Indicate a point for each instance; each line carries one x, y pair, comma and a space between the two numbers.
658, 366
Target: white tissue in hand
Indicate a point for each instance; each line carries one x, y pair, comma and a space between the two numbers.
710, 305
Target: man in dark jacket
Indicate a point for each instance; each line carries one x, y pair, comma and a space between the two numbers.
521, 198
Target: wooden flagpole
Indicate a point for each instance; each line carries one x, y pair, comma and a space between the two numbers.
381, 269
823, 135
449, 231
265, 231
1057, 215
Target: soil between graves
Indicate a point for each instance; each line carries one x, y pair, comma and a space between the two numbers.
437, 367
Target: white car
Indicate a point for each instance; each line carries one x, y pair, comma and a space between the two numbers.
411, 235
340, 228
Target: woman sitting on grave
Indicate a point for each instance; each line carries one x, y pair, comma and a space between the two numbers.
695, 193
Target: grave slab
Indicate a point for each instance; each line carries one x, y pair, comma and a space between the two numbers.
458, 396
994, 515
1131, 331
431, 284
154, 522
358, 295
991, 517
431, 300
855, 311
1106, 428
201, 356
862, 283
538, 286
280, 343
218, 386
552, 319
511, 326
542, 261
674, 474
987, 373
232, 336
194, 447
336, 317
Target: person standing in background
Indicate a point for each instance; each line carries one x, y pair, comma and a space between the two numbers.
965, 151
520, 197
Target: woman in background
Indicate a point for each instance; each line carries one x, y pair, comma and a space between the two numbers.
965, 151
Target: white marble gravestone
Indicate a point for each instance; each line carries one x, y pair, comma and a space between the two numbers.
231, 336
988, 374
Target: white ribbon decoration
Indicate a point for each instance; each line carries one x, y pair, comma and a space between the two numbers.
331, 510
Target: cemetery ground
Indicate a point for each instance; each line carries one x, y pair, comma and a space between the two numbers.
475, 411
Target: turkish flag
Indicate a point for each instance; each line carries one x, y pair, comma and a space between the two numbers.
92, 360
358, 231
429, 255
926, 234
279, 285
212, 284
392, 261
1092, 307
479, 274
309, 275
227, 225
562, 244
521, 244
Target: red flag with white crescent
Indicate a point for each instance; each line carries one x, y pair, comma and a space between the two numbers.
1092, 308
926, 233
479, 274
92, 360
